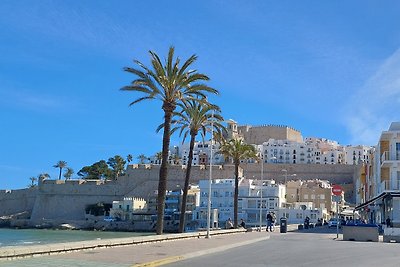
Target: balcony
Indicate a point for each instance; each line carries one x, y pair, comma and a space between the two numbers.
388, 160
389, 185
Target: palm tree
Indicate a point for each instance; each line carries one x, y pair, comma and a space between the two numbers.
43, 176
158, 156
195, 117
129, 158
117, 163
237, 150
68, 173
33, 180
142, 159
61, 164
171, 84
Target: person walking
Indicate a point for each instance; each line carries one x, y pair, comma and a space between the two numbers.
388, 222
269, 221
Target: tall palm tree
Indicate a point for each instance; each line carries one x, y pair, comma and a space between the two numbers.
237, 150
68, 173
61, 164
171, 84
194, 117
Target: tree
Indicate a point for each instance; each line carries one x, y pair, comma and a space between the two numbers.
33, 180
117, 164
171, 84
61, 164
43, 176
129, 158
237, 150
68, 173
194, 117
142, 159
158, 156
98, 170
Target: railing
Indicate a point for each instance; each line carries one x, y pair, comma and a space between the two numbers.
389, 185
386, 156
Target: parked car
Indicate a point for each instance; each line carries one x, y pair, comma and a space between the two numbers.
333, 222
109, 219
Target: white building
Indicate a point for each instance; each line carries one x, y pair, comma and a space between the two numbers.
355, 155
249, 201
123, 209
380, 187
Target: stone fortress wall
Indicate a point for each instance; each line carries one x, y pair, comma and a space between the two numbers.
17, 201
261, 134
66, 200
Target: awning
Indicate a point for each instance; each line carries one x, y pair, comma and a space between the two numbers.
377, 198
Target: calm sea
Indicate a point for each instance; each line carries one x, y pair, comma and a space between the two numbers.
26, 237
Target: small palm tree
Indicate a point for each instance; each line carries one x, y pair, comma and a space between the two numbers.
195, 117
237, 150
158, 156
33, 180
43, 176
61, 164
68, 173
142, 159
171, 83
129, 158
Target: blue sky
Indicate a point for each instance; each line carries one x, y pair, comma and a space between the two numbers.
327, 68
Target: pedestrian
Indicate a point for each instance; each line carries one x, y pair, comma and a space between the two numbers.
242, 223
307, 222
269, 221
228, 224
388, 222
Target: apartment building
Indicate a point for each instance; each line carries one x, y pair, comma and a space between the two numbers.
378, 187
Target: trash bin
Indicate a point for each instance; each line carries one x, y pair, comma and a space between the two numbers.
283, 225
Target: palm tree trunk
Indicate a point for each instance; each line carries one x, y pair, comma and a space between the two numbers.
236, 200
186, 186
59, 176
162, 181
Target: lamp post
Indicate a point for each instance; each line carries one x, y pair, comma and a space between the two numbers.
286, 176
261, 188
210, 180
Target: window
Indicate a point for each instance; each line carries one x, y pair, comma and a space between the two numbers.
305, 196
397, 151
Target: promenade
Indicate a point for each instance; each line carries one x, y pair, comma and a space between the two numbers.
142, 251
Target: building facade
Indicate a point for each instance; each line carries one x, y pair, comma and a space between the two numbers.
378, 185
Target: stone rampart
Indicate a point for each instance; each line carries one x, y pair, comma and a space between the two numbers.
58, 199
16, 201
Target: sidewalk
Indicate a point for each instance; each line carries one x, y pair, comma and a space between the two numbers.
151, 253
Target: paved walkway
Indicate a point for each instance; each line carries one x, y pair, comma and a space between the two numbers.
145, 254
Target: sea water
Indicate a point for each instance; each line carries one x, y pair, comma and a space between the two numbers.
26, 237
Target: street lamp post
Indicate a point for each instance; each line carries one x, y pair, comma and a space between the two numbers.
261, 188
286, 176
210, 180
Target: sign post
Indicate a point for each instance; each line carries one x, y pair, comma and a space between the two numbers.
337, 197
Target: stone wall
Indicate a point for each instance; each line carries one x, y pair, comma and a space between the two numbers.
16, 201
261, 134
66, 200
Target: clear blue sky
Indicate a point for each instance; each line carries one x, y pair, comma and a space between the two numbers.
327, 68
